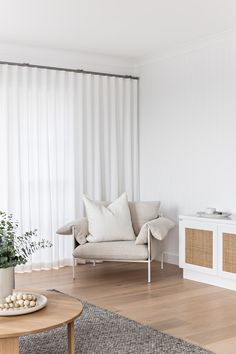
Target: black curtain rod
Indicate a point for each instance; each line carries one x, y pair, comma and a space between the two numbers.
78, 71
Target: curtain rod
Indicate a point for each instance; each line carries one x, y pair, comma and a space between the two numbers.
78, 71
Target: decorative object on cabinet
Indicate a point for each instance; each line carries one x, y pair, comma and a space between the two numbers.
215, 215
207, 250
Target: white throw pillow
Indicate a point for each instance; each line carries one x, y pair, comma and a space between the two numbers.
111, 223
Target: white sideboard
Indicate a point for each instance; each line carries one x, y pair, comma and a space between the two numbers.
207, 250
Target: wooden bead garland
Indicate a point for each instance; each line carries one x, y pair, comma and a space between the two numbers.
18, 301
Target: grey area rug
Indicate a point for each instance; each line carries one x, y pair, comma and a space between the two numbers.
99, 331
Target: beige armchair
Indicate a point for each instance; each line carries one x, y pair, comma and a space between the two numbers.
149, 229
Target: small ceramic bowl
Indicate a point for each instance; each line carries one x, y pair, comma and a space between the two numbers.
210, 211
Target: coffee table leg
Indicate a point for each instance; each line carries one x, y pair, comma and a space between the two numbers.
71, 338
9, 346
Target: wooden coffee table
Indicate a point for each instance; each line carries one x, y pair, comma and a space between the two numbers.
60, 310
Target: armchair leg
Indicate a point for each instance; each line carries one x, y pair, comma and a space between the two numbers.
149, 271
149, 256
74, 264
162, 260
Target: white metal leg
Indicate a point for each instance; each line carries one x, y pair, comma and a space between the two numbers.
162, 260
74, 260
167, 254
149, 271
74, 264
149, 256
94, 263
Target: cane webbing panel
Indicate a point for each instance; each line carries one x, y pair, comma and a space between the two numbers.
199, 247
229, 252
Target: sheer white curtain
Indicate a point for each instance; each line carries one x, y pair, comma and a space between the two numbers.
63, 134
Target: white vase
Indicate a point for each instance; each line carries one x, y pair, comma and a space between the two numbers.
7, 282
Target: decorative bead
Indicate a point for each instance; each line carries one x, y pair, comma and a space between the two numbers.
21, 302
13, 298
17, 301
26, 303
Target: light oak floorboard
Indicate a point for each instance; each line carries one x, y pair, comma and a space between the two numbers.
199, 313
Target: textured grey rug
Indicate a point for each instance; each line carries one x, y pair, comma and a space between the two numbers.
99, 331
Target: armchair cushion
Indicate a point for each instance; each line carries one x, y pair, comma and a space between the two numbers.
117, 250
67, 228
111, 223
159, 229
142, 212
81, 230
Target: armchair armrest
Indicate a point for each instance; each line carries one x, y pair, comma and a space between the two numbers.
79, 228
159, 228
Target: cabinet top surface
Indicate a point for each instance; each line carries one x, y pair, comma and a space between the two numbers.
230, 220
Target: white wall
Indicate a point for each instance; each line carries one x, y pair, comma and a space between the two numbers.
188, 131
187, 122
67, 59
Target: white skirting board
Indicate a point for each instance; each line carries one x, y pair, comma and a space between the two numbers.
169, 257
209, 279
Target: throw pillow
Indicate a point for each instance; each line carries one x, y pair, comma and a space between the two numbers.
109, 223
142, 212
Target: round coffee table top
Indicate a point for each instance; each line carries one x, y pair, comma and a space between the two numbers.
60, 310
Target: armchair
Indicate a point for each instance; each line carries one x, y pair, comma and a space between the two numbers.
149, 229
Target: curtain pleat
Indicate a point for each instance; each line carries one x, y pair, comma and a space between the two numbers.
64, 134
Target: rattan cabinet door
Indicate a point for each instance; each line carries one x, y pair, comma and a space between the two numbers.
227, 250
198, 246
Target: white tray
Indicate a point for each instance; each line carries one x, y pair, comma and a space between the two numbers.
41, 303
202, 214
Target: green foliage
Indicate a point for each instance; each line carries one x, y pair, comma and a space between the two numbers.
14, 247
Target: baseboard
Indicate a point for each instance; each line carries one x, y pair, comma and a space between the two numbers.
209, 279
169, 257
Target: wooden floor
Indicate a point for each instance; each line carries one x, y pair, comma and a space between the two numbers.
200, 313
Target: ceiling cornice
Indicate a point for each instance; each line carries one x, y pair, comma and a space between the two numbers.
186, 48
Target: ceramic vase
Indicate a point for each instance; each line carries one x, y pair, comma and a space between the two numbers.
7, 282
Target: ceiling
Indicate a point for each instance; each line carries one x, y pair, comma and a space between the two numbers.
126, 28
